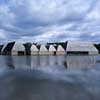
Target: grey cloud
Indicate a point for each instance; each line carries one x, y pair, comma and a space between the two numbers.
33, 19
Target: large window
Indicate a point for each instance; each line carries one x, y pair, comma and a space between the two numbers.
77, 52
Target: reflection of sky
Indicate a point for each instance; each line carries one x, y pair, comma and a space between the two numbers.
49, 63
50, 19
39, 86
79, 78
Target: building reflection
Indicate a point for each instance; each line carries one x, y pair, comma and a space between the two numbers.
28, 62
65, 64
9, 62
51, 62
80, 62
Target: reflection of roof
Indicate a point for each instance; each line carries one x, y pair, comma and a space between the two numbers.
18, 47
80, 46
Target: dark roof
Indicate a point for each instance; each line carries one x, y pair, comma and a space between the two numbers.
64, 45
1, 46
38, 46
50, 43
47, 46
27, 46
9, 47
56, 47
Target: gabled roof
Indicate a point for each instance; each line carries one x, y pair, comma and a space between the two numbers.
60, 48
43, 48
64, 45
9, 47
80, 46
18, 47
27, 46
34, 48
52, 48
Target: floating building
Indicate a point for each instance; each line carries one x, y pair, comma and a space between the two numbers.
52, 50
18, 49
43, 50
60, 50
79, 47
34, 50
67, 48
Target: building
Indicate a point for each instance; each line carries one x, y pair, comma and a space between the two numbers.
60, 50
18, 49
7, 48
43, 50
52, 50
34, 50
79, 47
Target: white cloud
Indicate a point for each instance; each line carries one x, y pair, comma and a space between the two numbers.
6, 16
46, 19
2, 34
95, 13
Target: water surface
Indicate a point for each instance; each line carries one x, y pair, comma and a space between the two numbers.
49, 77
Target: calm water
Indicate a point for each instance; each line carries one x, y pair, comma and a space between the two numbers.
50, 78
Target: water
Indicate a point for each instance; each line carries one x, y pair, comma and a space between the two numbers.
49, 77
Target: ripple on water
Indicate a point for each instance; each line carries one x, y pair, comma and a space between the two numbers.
49, 78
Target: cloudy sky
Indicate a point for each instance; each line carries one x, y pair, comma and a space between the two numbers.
50, 20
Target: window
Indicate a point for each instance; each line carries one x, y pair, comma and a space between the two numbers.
77, 52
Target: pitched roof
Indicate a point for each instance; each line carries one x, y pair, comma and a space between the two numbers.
34, 48
64, 45
18, 47
9, 47
60, 48
52, 48
43, 48
80, 46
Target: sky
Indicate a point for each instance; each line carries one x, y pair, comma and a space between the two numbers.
36, 20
